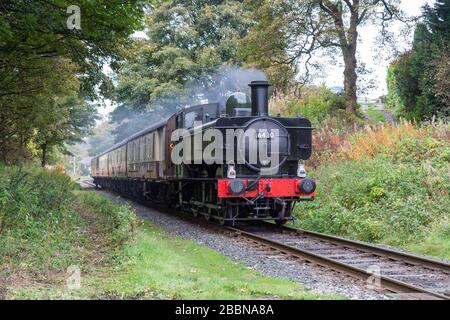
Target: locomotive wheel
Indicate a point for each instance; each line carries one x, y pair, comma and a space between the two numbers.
227, 214
281, 217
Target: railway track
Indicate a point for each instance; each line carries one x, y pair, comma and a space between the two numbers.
406, 275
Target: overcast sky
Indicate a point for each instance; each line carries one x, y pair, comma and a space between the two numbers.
334, 77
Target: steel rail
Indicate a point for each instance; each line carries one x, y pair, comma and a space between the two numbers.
385, 252
385, 282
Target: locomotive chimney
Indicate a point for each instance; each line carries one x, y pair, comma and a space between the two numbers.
260, 98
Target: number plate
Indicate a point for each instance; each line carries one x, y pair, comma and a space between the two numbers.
264, 134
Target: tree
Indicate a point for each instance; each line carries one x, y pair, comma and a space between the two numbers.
186, 42
418, 85
38, 29
186, 39
441, 86
265, 45
312, 26
46, 79
43, 63
63, 121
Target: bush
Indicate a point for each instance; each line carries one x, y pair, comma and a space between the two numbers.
405, 142
319, 105
327, 142
374, 116
30, 196
35, 216
375, 200
45, 224
386, 184
116, 221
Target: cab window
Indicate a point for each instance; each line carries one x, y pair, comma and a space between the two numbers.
238, 104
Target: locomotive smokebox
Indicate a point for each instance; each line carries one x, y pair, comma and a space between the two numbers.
260, 98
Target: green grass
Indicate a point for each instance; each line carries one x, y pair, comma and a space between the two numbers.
177, 268
436, 243
36, 220
156, 265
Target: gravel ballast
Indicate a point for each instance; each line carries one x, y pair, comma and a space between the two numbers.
315, 278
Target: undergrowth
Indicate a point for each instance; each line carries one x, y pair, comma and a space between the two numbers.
46, 225
386, 184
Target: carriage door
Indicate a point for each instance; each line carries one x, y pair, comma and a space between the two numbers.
171, 126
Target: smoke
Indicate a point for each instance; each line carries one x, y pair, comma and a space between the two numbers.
221, 83
210, 88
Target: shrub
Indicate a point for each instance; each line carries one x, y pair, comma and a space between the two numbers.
374, 116
116, 221
35, 216
45, 224
384, 184
405, 142
28, 196
376, 200
318, 104
327, 142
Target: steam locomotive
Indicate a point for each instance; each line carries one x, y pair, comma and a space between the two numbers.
229, 161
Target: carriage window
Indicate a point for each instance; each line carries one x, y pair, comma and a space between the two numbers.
145, 149
136, 151
142, 149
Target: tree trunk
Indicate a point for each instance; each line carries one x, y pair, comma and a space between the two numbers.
350, 79
44, 155
350, 63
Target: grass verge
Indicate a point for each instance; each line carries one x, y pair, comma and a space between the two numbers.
158, 264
